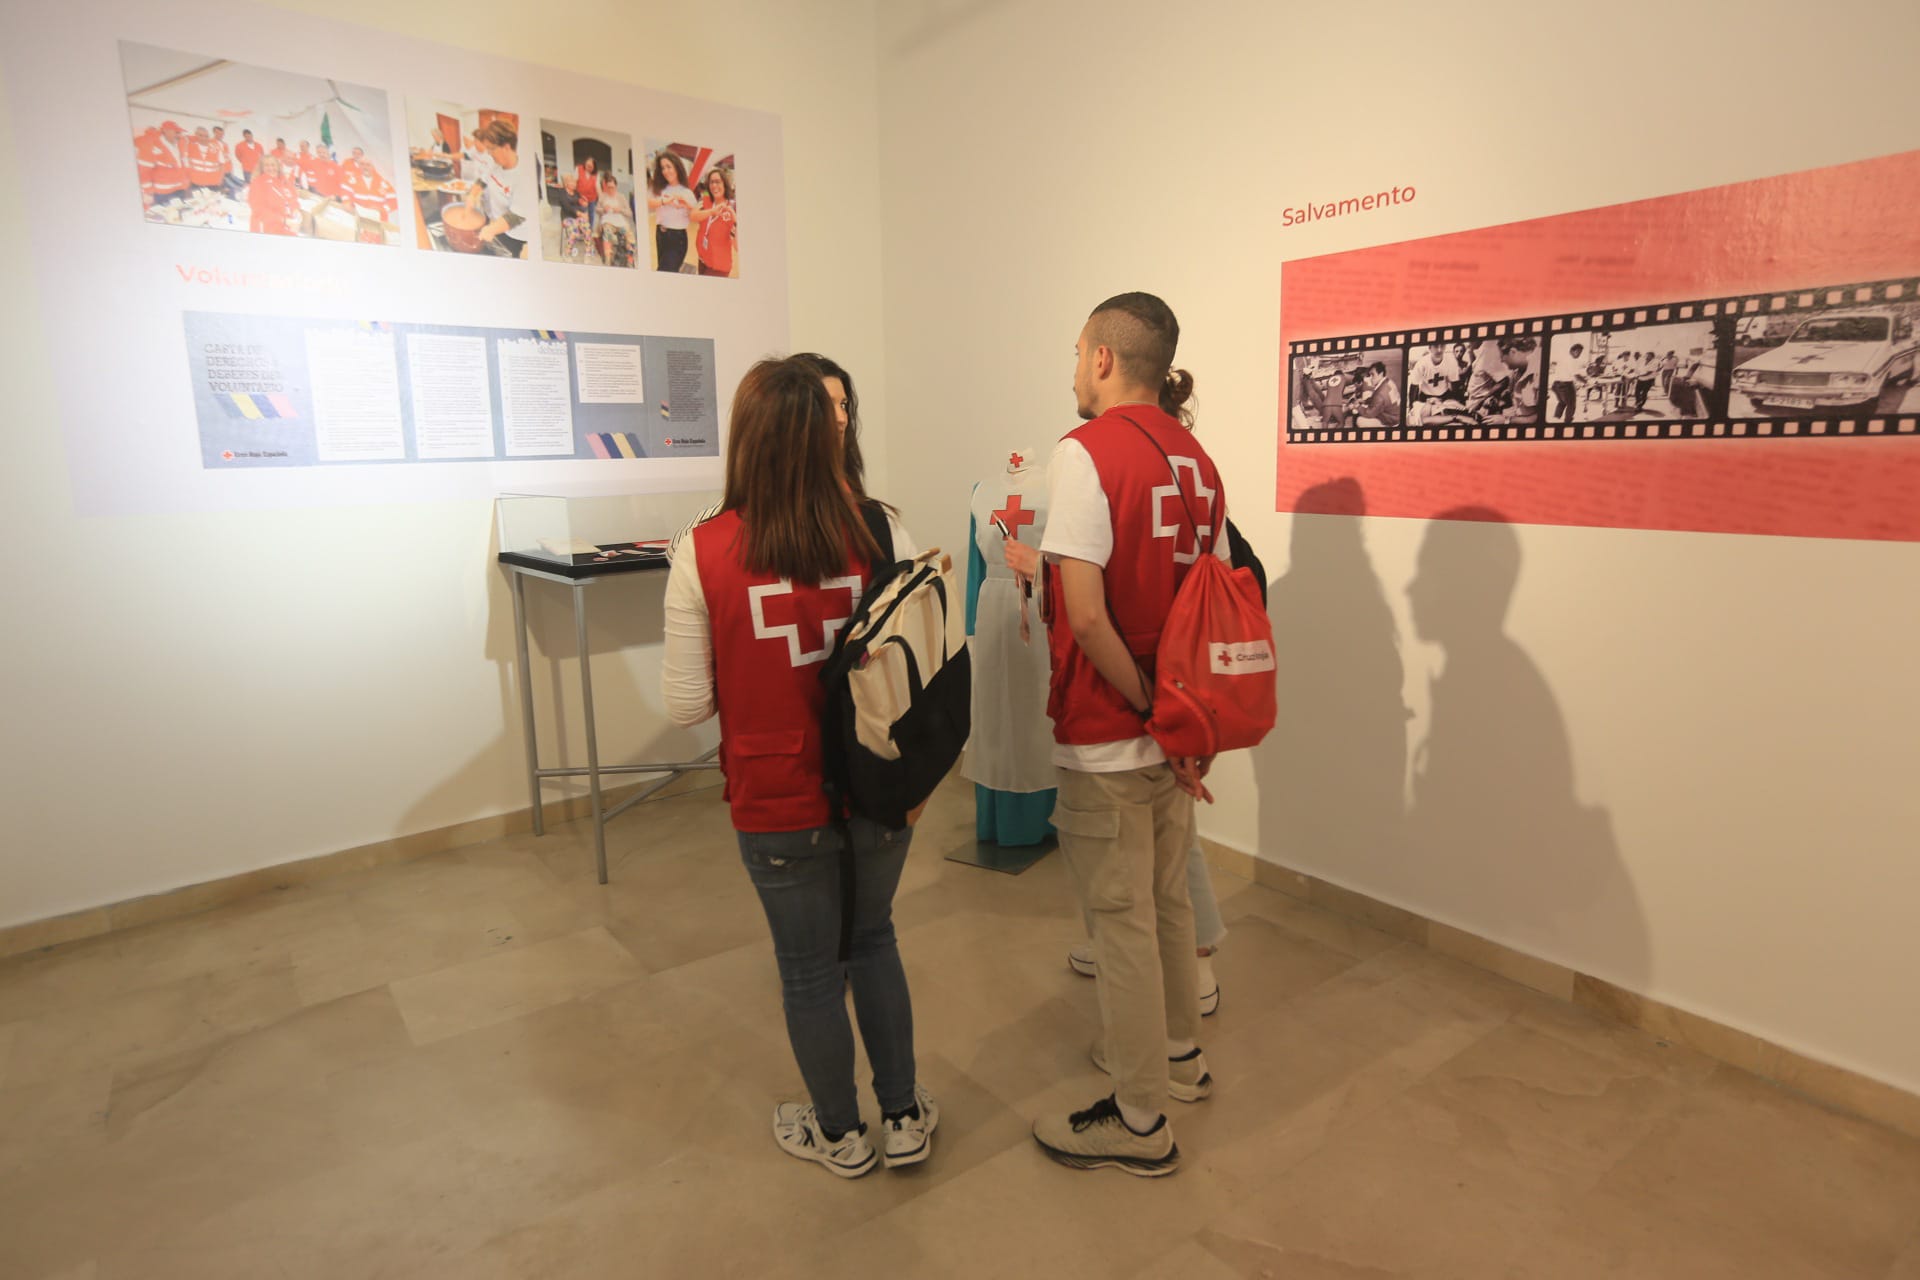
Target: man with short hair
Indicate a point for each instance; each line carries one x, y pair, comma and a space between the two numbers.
1645, 371
203, 160
1381, 404
222, 158
160, 152
1133, 500
248, 153
367, 189
1569, 379
1510, 393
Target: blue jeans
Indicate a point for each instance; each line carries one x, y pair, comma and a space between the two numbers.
797, 874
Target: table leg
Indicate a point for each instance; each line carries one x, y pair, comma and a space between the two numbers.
524, 675
593, 742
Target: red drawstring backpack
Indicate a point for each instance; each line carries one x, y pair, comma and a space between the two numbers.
1214, 679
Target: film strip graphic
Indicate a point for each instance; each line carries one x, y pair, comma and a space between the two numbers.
1813, 363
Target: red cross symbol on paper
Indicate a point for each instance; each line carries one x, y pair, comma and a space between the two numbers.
1013, 515
1015, 461
809, 633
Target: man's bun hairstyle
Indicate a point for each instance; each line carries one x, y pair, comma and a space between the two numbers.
1141, 331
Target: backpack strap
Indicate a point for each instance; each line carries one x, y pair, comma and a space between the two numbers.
874, 516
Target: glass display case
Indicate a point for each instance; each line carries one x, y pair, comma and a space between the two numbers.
574, 536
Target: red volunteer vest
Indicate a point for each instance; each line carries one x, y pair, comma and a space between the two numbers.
162, 171
770, 637
1152, 547
203, 162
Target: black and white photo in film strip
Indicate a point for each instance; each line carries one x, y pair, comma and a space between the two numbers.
1357, 389
1837, 360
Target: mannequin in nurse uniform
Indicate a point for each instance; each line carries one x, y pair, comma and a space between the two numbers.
1010, 755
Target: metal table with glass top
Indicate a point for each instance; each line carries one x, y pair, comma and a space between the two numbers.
577, 573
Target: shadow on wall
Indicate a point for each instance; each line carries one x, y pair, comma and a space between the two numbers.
1486, 831
1497, 839
1332, 773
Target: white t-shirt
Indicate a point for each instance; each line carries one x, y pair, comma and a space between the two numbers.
672, 216
507, 194
686, 669
1080, 527
1567, 367
1432, 376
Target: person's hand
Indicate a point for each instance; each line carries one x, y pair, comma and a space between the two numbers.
1189, 772
488, 232
913, 814
1023, 560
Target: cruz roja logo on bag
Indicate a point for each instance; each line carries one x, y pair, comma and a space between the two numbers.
1243, 658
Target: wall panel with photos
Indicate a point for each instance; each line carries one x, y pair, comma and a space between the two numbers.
346, 269
1780, 316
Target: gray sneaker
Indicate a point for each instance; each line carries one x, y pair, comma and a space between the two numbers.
909, 1139
1188, 1079
796, 1128
1098, 1138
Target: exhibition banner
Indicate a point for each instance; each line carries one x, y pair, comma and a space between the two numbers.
297, 262
1739, 359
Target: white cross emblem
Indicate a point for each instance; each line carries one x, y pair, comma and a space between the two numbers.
797, 654
1203, 498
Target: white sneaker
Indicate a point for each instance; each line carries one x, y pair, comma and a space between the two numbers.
1099, 1138
1080, 960
909, 1139
797, 1129
1188, 1079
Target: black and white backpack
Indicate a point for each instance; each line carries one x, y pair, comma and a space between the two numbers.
899, 696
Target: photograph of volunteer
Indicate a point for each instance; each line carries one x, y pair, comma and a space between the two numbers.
472, 187
1651, 372
502, 189
754, 597
1495, 381
670, 206
587, 214
1125, 811
716, 238
183, 107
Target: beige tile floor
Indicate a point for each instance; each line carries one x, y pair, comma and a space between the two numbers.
482, 1064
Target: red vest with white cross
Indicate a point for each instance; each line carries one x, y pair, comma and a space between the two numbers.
1153, 545
770, 637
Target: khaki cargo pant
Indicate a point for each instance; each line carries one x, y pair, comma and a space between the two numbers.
1126, 837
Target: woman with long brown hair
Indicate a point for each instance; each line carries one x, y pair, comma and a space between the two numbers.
754, 600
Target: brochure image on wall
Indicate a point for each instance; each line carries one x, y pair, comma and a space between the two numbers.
1601, 368
235, 147
692, 197
301, 392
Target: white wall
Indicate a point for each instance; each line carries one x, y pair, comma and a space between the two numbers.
192, 696
1739, 714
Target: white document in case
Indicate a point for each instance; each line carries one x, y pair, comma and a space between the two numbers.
536, 405
452, 397
609, 373
356, 396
